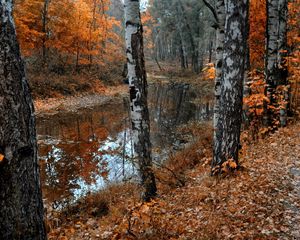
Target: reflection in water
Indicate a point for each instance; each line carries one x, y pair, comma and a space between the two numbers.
83, 151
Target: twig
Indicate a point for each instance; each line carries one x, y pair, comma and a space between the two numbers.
213, 11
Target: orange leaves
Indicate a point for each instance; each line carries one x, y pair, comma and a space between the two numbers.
226, 167
1, 158
230, 164
257, 18
27, 17
79, 28
254, 103
209, 72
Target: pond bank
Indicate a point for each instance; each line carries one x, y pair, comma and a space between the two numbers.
52, 106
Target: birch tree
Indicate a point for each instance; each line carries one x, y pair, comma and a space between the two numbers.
138, 97
271, 66
227, 140
220, 19
275, 65
282, 61
21, 214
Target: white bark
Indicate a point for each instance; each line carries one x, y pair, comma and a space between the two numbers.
275, 65
138, 96
281, 58
227, 136
220, 10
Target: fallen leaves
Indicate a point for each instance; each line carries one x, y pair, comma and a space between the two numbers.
261, 202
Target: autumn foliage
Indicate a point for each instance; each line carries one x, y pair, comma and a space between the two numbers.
257, 22
68, 32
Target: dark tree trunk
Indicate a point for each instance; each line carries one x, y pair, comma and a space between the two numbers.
138, 97
44, 29
282, 60
275, 66
227, 139
181, 53
21, 214
194, 50
210, 50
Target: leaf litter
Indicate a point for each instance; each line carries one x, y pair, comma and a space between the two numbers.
260, 201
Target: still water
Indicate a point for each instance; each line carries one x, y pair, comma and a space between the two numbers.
83, 151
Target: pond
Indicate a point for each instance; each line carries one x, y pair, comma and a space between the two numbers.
83, 151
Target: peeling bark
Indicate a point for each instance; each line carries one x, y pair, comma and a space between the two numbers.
275, 65
227, 138
271, 65
220, 11
282, 59
21, 215
138, 97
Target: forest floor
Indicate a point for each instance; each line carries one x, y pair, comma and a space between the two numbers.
260, 201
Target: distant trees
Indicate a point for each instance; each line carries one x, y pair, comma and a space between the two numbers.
182, 32
227, 132
67, 33
138, 97
21, 215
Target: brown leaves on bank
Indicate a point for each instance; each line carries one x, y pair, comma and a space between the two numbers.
259, 202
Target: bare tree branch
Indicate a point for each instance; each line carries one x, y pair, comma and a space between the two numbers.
212, 9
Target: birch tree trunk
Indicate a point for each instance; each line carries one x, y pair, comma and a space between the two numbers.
21, 214
282, 61
276, 69
220, 11
227, 140
271, 65
247, 82
138, 97
282, 40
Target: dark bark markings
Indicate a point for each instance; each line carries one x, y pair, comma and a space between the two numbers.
20, 196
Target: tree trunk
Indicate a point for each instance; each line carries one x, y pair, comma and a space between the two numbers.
44, 29
230, 113
194, 50
181, 53
210, 50
20, 195
282, 60
247, 88
275, 65
91, 30
220, 11
271, 65
138, 97
247, 53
